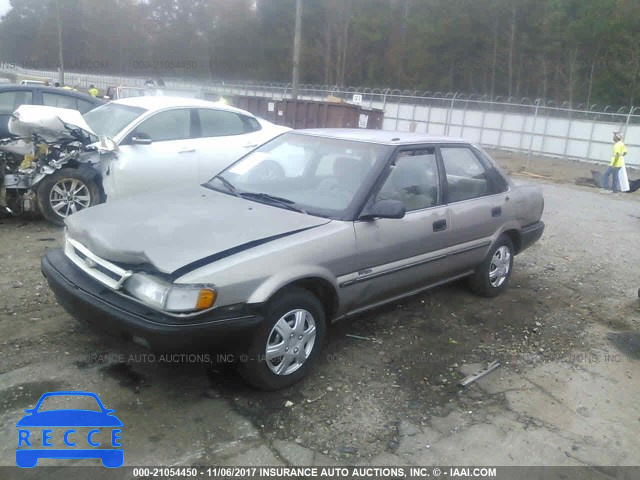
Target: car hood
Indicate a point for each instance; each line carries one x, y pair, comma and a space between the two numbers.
51, 123
175, 229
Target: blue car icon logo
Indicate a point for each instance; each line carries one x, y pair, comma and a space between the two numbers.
68, 426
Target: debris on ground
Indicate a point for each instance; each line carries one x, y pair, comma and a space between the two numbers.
476, 376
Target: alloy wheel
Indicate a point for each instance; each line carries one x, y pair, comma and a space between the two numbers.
68, 196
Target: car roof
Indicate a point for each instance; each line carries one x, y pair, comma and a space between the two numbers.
384, 137
160, 102
50, 89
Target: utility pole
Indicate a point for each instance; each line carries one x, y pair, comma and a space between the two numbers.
296, 50
61, 75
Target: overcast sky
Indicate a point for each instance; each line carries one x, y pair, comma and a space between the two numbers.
4, 7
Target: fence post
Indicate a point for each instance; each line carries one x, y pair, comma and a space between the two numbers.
412, 125
544, 132
566, 141
447, 127
504, 114
384, 99
626, 125
429, 118
593, 127
464, 117
533, 132
484, 113
524, 126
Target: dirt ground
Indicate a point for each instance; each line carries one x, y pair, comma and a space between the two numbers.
566, 333
557, 170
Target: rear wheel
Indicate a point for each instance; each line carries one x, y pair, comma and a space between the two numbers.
286, 344
492, 276
65, 192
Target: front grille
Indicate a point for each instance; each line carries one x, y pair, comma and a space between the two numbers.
98, 268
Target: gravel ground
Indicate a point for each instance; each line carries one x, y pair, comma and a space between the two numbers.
572, 293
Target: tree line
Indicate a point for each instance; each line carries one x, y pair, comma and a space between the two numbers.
579, 51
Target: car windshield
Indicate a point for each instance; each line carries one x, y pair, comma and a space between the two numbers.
111, 118
69, 402
312, 174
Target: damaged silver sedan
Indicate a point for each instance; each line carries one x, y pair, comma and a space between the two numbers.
312, 227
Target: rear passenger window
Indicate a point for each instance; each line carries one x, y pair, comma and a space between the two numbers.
61, 101
218, 123
466, 176
10, 101
250, 124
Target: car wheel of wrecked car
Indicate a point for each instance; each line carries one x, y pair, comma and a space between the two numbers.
286, 344
65, 192
493, 274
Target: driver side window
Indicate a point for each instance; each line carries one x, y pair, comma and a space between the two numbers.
413, 180
164, 126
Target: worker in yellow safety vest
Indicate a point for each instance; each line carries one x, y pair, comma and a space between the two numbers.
615, 163
93, 91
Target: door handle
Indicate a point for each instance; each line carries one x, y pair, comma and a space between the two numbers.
251, 146
439, 225
187, 150
496, 211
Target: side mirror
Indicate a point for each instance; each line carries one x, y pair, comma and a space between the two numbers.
384, 209
140, 139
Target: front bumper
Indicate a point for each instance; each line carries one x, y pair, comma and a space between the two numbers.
89, 301
530, 234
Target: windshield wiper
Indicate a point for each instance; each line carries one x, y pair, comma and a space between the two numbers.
274, 200
229, 185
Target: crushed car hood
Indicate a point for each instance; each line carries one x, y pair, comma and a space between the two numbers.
51, 123
173, 229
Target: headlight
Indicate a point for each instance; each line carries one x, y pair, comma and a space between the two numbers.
166, 296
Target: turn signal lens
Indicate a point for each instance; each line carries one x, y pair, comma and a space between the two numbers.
206, 299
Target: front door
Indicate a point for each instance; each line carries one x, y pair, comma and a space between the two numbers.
396, 256
168, 161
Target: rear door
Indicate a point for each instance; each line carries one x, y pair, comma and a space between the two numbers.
222, 137
396, 256
476, 200
169, 161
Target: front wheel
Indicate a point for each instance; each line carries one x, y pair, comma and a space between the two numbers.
286, 344
492, 276
65, 192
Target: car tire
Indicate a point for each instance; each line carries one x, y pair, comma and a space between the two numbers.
287, 328
80, 190
493, 274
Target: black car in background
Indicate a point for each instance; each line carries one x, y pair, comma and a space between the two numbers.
12, 96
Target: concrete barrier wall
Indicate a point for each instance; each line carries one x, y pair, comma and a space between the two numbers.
549, 131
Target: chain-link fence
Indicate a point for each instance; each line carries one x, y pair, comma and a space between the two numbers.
581, 132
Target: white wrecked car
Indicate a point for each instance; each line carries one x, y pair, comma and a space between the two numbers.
60, 161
